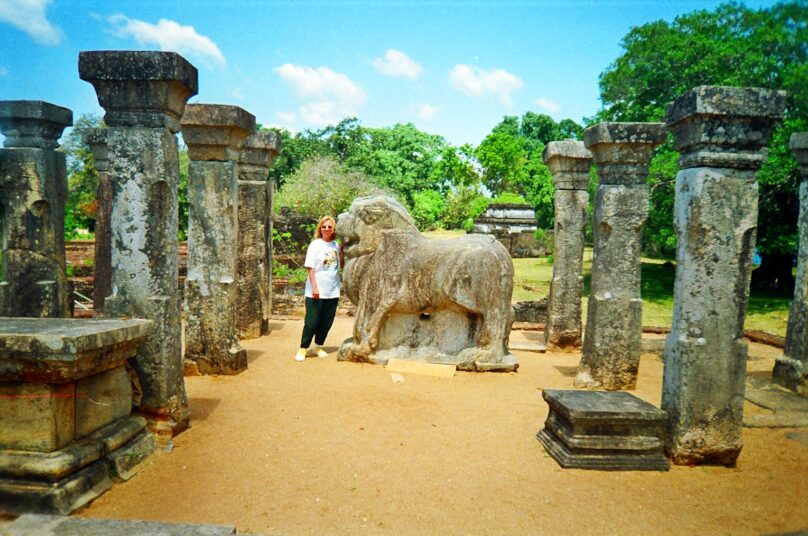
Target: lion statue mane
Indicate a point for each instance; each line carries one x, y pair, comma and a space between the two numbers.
438, 301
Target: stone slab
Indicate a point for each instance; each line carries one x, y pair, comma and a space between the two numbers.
102, 399
603, 430
426, 369
125, 462
36, 416
61, 350
777, 400
46, 525
528, 347
62, 497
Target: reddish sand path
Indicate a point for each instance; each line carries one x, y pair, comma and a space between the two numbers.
323, 447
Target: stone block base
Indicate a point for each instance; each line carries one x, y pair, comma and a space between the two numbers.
44, 525
66, 479
603, 430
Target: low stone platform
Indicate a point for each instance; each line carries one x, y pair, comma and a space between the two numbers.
45, 525
607, 430
66, 424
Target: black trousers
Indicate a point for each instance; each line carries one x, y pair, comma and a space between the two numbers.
319, 319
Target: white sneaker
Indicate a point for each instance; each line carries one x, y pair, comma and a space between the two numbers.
321, 352
300, 355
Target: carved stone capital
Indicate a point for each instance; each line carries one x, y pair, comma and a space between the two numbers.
622, 151
34, 124
569, 162
215, 132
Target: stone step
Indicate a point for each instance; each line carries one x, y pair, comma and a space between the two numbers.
45, 525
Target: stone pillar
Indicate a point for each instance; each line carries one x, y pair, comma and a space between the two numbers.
144, 95
96, 138
791, 370
612, 342
213, 134
721, 133
33, 192
569, 161
254, 292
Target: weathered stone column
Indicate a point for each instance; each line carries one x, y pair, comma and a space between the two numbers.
96, 138
213, 134
612, 342
721, 133
254, 292
144, 95
569, 161
791, 370
33, 192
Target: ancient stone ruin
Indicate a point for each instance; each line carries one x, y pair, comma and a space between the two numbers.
33, 191
791, 369
144, 95
569, 161
721, 133
612, 341
214, 134
437, 301
514, 225
254, 292
66, 424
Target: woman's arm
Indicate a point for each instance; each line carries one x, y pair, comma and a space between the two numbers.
315, 292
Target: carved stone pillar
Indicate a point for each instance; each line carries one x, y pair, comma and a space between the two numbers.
214, 135
144, 95
96, 138
791, 370
569, 161
721, 133
612, 343
33, 192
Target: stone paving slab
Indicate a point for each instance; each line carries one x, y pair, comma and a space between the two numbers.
44, 525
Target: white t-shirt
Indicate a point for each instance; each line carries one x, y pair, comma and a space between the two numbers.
324, 258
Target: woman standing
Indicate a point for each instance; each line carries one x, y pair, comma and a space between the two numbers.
323, 261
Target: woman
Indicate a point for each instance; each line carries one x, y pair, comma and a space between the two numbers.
323, 261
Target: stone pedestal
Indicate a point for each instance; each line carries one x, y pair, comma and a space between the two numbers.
254, 292
721, 133
102, 267
144, 94
603, 430
514, 225
612, 343
33, 192
66, 424
791, 370
214, 134
569, 161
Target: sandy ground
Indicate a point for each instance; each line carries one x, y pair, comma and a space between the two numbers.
326, 447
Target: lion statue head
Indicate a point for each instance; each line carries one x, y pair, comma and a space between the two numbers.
361, 228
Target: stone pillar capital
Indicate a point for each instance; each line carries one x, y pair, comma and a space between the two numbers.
724, 127
622, 151
96, 138
216, 132
140, 88
260, 149
569, 162
798, 143
35, 124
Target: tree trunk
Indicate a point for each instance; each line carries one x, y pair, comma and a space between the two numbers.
774, 273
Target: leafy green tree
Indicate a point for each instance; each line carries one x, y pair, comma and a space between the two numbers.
323, 186
502, 156
82, 177
730, 45
463, 206
427, 209
295, 149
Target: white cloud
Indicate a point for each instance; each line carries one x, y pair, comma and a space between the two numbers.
29, 16
476, 82
396, 63
168, 36
329, 96
548, 105
427, 111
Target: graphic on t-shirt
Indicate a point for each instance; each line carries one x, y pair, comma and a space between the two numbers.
330, 260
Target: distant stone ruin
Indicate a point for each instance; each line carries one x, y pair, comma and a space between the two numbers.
514, 225
437, 301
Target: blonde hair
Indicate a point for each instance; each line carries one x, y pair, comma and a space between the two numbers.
318, 231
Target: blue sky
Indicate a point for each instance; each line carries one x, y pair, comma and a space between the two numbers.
453, 68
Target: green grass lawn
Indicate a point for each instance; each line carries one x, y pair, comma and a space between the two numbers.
766, 311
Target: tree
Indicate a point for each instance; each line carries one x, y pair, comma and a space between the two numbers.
730, 45
82, 177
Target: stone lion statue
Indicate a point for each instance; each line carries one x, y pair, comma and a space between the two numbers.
438, 301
